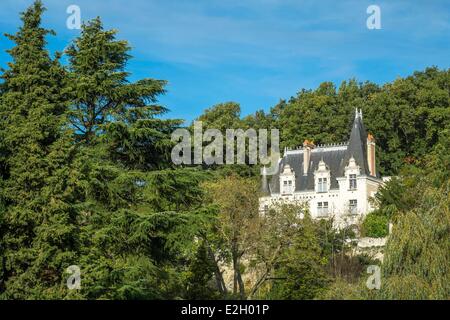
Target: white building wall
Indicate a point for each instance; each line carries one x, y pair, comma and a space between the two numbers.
338, 200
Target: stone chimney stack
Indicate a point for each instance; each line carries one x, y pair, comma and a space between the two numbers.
307, 147
371, 154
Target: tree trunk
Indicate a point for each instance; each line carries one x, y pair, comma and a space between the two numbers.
237, 273
217, 273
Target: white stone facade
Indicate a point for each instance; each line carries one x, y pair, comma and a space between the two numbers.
340, 189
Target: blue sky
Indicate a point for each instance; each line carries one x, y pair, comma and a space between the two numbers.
256, 52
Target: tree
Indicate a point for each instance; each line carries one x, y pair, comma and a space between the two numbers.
200, 276
407, 116
375, 225
236, 199
417, 256
300, 271
277, 227
416, 264
99, 87
134, 193
225, 116
40, 178
222, 116
104, 101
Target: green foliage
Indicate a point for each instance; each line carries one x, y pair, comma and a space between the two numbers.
222, 116
236, 201
176, 190
300, 272
375, 225
39, 176
90, 204
417, 255
86, 179
406, 116
341, 289
142, 145
103, 100
200, 283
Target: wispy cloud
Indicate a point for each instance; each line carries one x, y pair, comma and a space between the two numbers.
256, 51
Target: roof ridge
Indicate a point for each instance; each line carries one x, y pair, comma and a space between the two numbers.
324, 145
332, 144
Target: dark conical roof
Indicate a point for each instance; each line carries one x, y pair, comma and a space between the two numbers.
335, 156
357, 145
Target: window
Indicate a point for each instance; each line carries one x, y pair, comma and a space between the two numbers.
322, 208
287, 186
352, 182
353, 205
322, 187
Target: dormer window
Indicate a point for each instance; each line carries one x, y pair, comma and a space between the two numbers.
352, 171
322, 185
352, 181
322, 177
287, 187
287, 180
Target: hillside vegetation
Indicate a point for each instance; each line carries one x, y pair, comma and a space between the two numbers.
86, 179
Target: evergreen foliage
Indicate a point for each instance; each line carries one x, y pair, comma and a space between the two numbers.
40, 179
86, 179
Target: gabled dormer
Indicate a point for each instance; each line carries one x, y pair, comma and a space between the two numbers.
287, 180
351, 172
322, 177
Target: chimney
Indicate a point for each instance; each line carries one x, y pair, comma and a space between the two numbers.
307, 147
371, 154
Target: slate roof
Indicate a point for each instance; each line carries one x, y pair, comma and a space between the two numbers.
357, 146
336, 157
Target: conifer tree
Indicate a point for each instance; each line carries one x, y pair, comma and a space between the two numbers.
38, 186
105, 102
132, 210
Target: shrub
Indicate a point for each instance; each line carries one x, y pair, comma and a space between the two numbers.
375, 225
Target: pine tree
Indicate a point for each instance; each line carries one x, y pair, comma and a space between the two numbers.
105, 103
38, 186
132, 212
